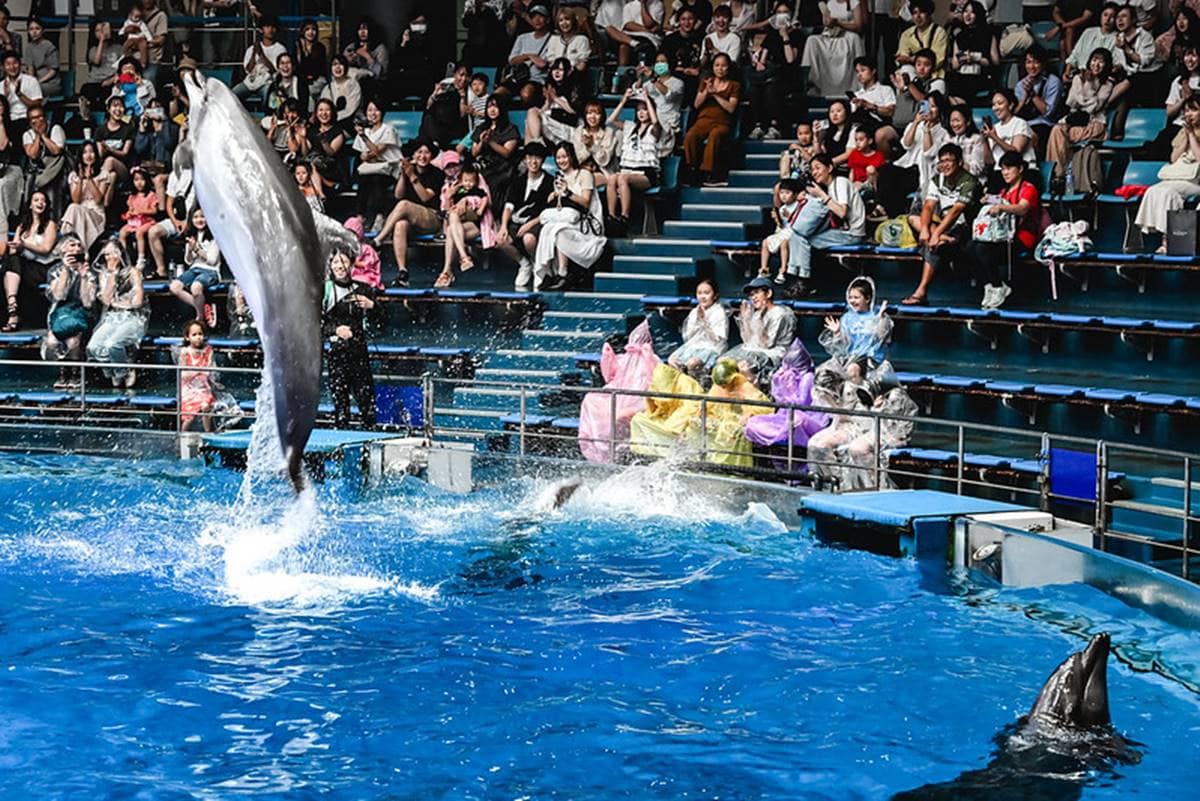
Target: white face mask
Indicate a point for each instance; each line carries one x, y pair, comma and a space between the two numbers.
417, 28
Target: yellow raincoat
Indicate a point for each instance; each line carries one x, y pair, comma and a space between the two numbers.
666, 422
727, 443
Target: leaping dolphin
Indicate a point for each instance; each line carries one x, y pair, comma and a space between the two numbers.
274, 244
1066, 737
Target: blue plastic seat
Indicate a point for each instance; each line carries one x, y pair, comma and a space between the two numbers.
666, 300
406, 123
43, 398
154, 402
1008, 386
1161, 399
1137, 173
733, 244
408, 293
1109, 395
1016, 315
18, 339
443, 352
393, 350
1141, 126
984, 460
460, 294
909, 379
957, 381
571, 423
1059, 390
514, 419
1166, 258
586, 358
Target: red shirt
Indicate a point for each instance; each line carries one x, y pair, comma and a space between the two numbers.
1029, 226
859, 161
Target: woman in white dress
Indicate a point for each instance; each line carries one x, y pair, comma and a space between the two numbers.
1170, 195
90, 187
830, 55
573, 227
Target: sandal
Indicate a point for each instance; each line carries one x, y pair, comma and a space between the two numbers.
443, 280
14, 318
466, 264
915, 300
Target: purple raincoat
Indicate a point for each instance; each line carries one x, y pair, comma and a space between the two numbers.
792, 383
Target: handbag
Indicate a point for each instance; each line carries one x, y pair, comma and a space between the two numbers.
1186, 169
521, 74
991, 227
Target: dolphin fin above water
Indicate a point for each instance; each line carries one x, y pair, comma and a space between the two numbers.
272, 242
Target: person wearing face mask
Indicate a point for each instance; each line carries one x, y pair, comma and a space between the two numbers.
412, 69
773, 54
666, 91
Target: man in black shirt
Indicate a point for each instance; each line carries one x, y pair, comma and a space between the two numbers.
419, 198
528, 197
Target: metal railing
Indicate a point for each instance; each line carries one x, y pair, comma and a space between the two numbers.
1175, 469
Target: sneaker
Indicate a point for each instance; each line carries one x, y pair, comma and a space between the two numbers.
210, 316
524, 275
780, 279
773, 133
757, 133
989, 297
130, 379
1002, 293
401, 281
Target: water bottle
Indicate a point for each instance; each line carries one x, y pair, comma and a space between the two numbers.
1070, 184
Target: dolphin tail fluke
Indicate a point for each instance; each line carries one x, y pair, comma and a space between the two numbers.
295, 469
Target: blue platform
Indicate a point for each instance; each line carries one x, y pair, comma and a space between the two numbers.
895, 522
322, 440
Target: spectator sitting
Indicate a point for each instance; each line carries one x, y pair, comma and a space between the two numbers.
785, 215
924, 137
123, 315
792, 384
701, 9
1008, 133
20, 90
12, 178
1070, 17
667, 92
448, 110
705, 332
976, 155
9, 41
35, 240
830, 56
603, 417
564, 96
155, 141
715, 103
839, 215
569, 42
1166, 196
1020, 199
46, 153
367, 55
259, 63
874, 104
858, 340
772, 56
41, 59
287, 132
726, 421
1171, 45
71, 290
640, 30
114, 139
202, 263
1039, 98
1183, 86
743, 14
667, 422
595, 143
136, 35
477, 96
974, 54
767, 331
865, 162
483, 21
1087, 105
913, 88
175, 195
925, 34
683, 47
528, 197
312, 59
721, 39
835, 133
639, 164
346, 308
468, 217
494, 146
132, 88
572, 227
418, 201
379, 153
342, 90
1134, 55
286, 85
846, 450
945, 219
91, 188
412, 64
1104, 35
794, 162
526, 66
103, 56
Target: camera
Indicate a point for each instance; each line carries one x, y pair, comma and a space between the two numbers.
157, 114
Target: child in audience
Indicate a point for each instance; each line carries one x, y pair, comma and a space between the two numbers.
864, 162
858, 340
196, 397
785, 214
314, 196
137, 34
202, 260
793, 162
468, 215
705, 332
140, 214
477, 95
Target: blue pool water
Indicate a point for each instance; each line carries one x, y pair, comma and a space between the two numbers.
157, 641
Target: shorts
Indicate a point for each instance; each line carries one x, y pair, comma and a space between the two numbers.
651, 174
200, 275
167, 227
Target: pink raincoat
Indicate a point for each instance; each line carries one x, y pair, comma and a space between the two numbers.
629, 370
366, 267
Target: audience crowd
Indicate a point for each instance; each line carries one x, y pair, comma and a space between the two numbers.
604, 94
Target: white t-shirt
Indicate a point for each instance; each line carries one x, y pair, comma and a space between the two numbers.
25, 85
57, 135
730, 44
272, 51
609, 14
633, 13
879, 94
1008, 131
1176, 94
842, 191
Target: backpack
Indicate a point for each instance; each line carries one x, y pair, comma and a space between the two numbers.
1085, 165
1062, 239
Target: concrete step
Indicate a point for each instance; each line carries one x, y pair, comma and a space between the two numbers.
722, 212
515, 376
746, 196
551, 339
582, 321
526, 359
756, 178
482, 419
494, 398
706, 230
655, 246
639, 283
619, 302
760, 147
763, 161
659, 265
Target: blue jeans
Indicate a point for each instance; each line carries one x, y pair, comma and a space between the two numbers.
800, 255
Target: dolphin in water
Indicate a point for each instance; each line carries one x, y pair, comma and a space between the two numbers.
1051, 752
274, 243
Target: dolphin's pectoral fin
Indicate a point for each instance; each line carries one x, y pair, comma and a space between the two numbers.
333, 237
295, 470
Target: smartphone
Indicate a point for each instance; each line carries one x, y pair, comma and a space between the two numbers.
988, 121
